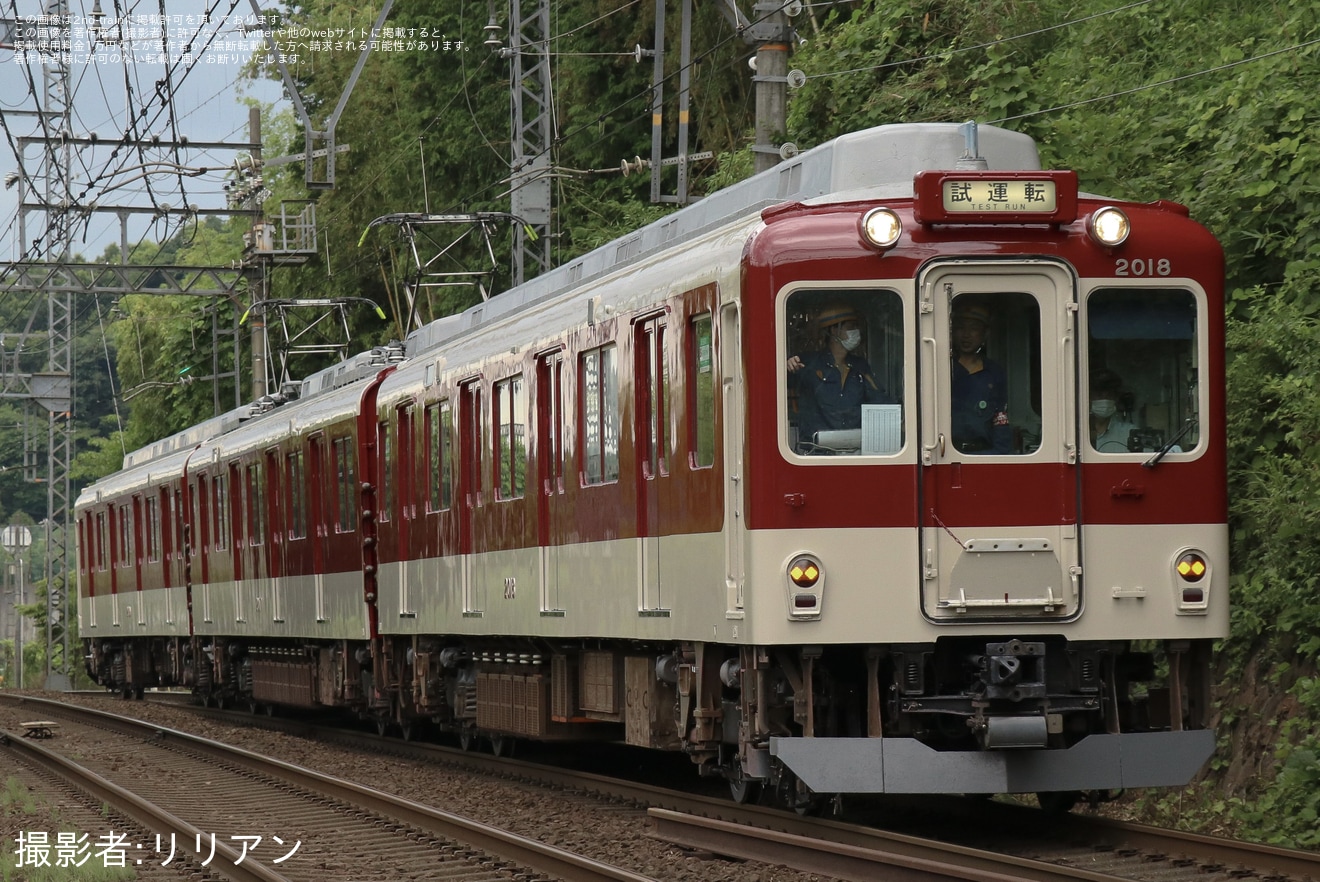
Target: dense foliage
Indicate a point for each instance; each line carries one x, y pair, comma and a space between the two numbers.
1200, 102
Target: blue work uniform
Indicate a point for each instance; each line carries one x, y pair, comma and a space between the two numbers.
980, 409
825, 400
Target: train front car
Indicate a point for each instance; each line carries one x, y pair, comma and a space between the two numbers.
986, 547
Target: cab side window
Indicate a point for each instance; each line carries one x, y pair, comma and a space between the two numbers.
1142, 384
844, 369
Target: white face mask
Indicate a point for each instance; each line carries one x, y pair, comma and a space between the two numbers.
849, 340
1103, 408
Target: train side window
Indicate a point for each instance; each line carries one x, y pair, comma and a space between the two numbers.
550, 420
197, 539
511, 437
470, 439
151, 533
385, 485
125, 536
701, 393
220, 512
652, 386
100, 540
256, 511
175, 542
844, 366
440, 456
346, 480
1142, 383
599, 416
296, 497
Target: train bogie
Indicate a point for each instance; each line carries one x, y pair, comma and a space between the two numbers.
913, 484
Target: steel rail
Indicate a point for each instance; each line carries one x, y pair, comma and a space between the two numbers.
885, 856
1261, 860
1206, 851
187, 838
522, 850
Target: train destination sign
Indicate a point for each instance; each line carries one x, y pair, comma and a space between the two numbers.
996, 197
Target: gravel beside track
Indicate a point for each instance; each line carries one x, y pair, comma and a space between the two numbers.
614, 834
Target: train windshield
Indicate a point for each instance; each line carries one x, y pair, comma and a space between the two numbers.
844, 360
1142, 379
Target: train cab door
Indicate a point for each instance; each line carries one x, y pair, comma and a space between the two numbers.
999, 486
552, 514
651, 372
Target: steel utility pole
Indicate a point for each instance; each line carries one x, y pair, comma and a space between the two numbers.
769, 30
59, 403
532, 119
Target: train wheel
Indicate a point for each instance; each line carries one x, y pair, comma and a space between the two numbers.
501, 745
253, 706
382, 726
744, 790
1058, 802
408, 729
270, 710
466, 738
139, 692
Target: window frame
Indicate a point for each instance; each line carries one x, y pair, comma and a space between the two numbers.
508, 416
599, 399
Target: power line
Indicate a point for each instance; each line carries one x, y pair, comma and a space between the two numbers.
1167, 82
948, 52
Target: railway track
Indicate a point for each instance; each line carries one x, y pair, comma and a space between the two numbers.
996, 841
208, 800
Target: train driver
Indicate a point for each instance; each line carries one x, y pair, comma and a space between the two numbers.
1110, 430
979, 386
833, 382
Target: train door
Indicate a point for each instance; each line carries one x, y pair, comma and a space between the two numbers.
319, 526
731, 404
551, 513
998, 442
469, 482
405, 467
277, 517
198, 538
651, 370
136, 551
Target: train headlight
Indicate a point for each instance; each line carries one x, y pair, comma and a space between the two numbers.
805, 579
1109, 226
1192, 582
882, 227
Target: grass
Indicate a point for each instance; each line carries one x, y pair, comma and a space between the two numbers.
21, 811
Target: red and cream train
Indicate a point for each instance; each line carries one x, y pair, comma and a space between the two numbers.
597, 506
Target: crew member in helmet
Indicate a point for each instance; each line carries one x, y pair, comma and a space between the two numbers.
835, 381
979, 385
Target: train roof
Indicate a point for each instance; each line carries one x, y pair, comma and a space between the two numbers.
882, 160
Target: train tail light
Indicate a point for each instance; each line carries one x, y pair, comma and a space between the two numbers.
1192, 582
805, 578
1109, 226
